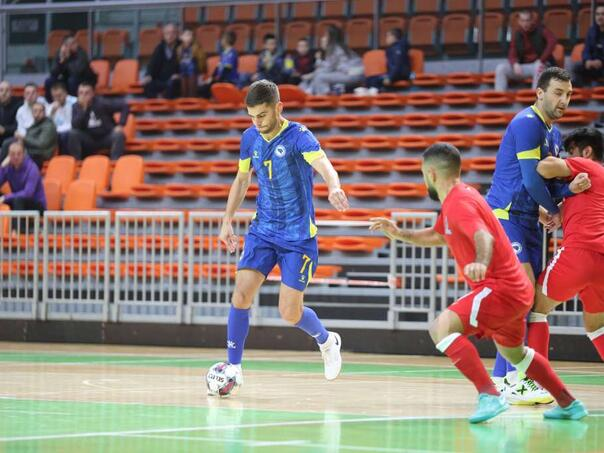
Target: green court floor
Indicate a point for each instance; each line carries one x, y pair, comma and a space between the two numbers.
36, 424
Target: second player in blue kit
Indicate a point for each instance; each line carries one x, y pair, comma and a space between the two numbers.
283, 154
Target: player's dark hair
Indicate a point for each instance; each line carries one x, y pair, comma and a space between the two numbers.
262, 92
584, 137
230, 37
445, 156
268, 36
397, 33
553, 73
58, 86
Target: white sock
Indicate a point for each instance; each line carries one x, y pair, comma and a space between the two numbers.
596, 333
443, 344
523, 365
537, 317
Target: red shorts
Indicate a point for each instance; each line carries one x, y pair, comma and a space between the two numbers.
492, 313
575, 271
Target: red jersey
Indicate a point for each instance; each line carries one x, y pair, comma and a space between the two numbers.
583, 214
464, 212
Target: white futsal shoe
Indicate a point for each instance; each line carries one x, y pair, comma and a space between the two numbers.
527, 392
330, 350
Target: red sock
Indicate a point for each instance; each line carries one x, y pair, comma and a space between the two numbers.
465, 357
597, 338
541, 371
538, 334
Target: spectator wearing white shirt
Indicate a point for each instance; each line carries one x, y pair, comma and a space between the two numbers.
60, 112
25, 116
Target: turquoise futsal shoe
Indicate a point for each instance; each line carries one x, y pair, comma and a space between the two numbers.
489, 406
574, 411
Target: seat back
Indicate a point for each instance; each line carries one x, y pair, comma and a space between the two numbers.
129, 171
96, 169
81, 196
62, 169
114, 43
101, 68
374, 62
148, 39
52, 190
125, 74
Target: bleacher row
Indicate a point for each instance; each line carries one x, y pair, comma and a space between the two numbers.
431, 25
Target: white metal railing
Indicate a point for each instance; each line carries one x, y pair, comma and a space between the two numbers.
160, 267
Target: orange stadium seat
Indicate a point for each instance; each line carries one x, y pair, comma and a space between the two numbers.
291, 94
429, 80
455, 98
359, 33
394, 7
176, 190
352, 101
304, 10
558, 55
114, 43
459, 140
583, 22
559, 21
213, 190
482, 164
423, 99
463, 79
407, 165
223, 167
159, 168
345, 121
190, 104
231, 144
147, 191
457, 5
343, 165
269, 12
577, 53
248, 63
83, 39
128, 171
493, 29
340, 143
189, 167
81, 196
54, 40
168, 145
373, 165
52, 190
321, 27
335, 8
321, 102
62, 169
227, 93
314, 122
493, 118
374, 62
579, 117
125, 77
208, 34
190, 15
457, 120
389, 100
362, 7
378, 142
294, 31
243, 32
422, 33
96, 169
148, 39
495, 98
259, 31
216, 14
388, 23
200, 145
456, 33
240, 123
361, 214
597, 94
406, 190
387, 121
488, 140
426, 6
356, 244
420, 120
525, 96
366, 190
102, 70
245, 13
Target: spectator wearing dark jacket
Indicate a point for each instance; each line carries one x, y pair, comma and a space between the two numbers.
93, 127
397, 61
40, 140
71, 66
23, 177
591, 67
531, 51
163, 70
270, 61
8, 112
301, 63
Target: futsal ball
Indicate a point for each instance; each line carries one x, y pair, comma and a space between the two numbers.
223, 379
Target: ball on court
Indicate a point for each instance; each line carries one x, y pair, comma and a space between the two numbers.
222, 380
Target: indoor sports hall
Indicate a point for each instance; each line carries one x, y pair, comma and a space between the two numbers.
115, 285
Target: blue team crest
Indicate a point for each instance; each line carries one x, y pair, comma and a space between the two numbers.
280, 151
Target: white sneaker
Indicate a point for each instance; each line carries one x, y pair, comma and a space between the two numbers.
330, 350
527, 392
239, 375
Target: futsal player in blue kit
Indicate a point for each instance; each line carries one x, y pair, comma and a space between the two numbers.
283, 154
517, 192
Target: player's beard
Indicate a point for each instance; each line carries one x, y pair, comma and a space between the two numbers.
432, 193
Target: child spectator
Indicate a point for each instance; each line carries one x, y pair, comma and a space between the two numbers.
226, 71
270, 61
301, 63
192, 63
397, 60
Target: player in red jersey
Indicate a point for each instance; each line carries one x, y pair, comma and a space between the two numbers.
501, 294
578, 264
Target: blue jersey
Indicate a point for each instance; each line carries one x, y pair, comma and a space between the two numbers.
285, 179
516, 186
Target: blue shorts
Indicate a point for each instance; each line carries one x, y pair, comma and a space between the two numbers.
526, 237
297, 263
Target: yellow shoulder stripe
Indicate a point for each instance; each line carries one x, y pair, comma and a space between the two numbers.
503, 214
244, 165
311, 156
534, 153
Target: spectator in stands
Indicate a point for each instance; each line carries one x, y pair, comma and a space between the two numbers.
71, 66
60, 113
162, 77
25, 116
8, 112
341, 69
531, 51
591, 68
226, 71
192, 63
397, 60
23, 177
93, 127
270, 61
41, 138
301, 63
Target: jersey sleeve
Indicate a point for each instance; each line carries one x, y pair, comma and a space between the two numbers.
439, 225
308, 145
466, 219
578, 165
245, 156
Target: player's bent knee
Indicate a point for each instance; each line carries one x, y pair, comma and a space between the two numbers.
593, 321
240, 300
290, 314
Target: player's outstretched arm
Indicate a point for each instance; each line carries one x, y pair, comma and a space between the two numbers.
553, 167
483, 242
426, 237
337, 197
236, 196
